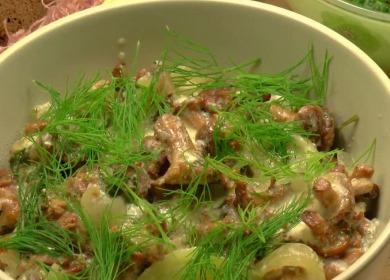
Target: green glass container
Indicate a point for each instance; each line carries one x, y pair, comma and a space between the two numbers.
368, 29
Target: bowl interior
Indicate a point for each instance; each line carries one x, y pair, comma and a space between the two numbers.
87, 43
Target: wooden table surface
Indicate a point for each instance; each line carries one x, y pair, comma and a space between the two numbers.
379, 269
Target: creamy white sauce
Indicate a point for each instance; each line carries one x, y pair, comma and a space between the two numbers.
100, 84
301, 232
317, 206
22, 144
191, 132
41, 109
275, 97
299, 151
304, 145
145, 80
338, 182
360, 207
370, 234
338, 264
299, 185
192, 157
12, 260
149, 131
133, 211
181, 99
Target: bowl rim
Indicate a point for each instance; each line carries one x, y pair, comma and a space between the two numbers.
384, 236
352, 8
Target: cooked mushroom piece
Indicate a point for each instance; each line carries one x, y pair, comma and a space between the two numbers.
316, 119
213, 100
325, 193
334, 191
332, 241
9, 203
184, 159
362, 171
281, 114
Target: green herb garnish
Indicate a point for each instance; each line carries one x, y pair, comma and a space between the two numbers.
375, 5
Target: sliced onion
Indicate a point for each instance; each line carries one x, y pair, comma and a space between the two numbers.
11, 260
96, 203
293, 260
172, 266
169, 268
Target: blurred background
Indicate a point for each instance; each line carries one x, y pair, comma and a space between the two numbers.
368, 29
16, 14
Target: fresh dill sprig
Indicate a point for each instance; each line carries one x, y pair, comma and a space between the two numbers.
189, 198
228, 250
111, 250
113, 245
375, 5
352, 120
368, 156
30, 201
249, 122
105, 125
151, 215
55, 273
319, 78
41, 237
252, 126
310, 165
98, 126
195, 67
227, 170
34, 233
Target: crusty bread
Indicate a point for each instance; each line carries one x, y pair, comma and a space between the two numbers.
19, 14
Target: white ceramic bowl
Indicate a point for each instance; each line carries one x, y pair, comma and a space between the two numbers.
238, 30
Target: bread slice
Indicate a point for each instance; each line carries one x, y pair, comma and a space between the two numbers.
19, 14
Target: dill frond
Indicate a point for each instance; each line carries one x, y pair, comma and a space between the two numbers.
228, 171
41, 237
54, 273
368, 156
189, 199
151, 216
195, 66
111, 249
248, 119
352, 120
30, 201
228, 250
310, 165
